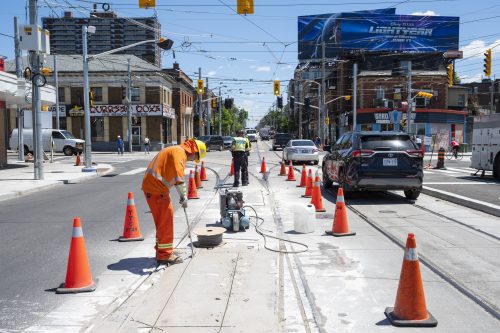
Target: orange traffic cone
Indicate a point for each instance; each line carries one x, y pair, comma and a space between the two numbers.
340, 226
192, 193
197, 178
410, 309
291, 174
309, 186
283, 169
263, 165
231, 172
131, 230
78, 275
203, 172
316, 199
303, 177
78, 161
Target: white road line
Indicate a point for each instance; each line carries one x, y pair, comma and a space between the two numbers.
459, 170
464, 198
133, 172
458, 183
428, 172
445, 171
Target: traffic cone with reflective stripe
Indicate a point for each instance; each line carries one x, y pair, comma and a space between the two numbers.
78, 161
340, 226
197, 178
309, 186
410, 309
316, 199
131, 230
291, 174
303, 177
231, 172
203, 172
283, 169
192, 193
78, 275
263, 165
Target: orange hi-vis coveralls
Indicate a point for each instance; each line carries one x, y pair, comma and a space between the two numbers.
164, 172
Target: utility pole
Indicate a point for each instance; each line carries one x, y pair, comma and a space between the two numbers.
299, 94
354, 95
220, 112
129, 107
56, 82
492, 90
36, 103
88, 143
409, 99
199, 106
20, 112
323, 93
209, 111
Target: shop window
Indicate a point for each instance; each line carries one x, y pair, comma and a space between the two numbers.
461, 100
136, 94
62, 96
380, 92
97, 91
97, 128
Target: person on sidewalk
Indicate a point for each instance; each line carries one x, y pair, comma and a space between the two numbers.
165, 171
240, 148
119, 145
147, 145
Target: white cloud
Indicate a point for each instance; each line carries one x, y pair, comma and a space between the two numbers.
427, 13
263, 69
211, 73
476, 48
471, 78
287, 67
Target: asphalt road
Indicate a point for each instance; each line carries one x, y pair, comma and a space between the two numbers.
35, 234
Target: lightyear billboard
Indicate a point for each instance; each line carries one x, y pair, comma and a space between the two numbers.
375, 31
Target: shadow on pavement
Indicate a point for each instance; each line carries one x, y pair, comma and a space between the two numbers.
134, 265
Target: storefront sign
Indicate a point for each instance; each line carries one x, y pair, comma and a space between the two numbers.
168, 112
382, 118
138, 110
62, 110
76, 111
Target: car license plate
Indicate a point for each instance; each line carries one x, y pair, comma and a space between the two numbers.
390, 162
305, 151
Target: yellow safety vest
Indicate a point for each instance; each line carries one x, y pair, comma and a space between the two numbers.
239, 144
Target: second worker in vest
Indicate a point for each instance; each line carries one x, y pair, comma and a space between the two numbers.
164, 172
240, 148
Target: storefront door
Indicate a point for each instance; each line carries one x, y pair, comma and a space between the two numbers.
136, 135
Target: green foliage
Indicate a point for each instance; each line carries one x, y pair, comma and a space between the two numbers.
232, 120
276, 119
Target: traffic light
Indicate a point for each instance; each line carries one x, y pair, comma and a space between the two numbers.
214, 103
228, 103
124, 93
280, 102
276, 89
244, 7
347, 97
307, 102
200, 87
487, 62
450, 75
424, 94
327, 120
91, 98
292, 102
165, 43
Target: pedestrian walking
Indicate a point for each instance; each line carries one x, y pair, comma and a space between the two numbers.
147, 145
240, 149
165, 171
318, 142
119, 145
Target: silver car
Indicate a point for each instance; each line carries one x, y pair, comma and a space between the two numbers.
301, 151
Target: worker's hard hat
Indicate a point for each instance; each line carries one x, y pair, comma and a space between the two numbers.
202, 150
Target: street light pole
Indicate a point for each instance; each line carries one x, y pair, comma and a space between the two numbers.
199, 106
88, 144
56, 82
410, 100
20, 112
220, 113
129, 107
322, 96
354, 95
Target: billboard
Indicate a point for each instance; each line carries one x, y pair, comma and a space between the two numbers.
375, 32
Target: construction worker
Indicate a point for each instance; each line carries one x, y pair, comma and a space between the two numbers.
165, 171
240, 148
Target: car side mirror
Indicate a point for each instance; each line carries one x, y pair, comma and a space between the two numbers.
327, 148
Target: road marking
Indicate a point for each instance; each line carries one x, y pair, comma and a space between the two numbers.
458, 183
446, 171
463, 198
428, 172
459, 170
133, 172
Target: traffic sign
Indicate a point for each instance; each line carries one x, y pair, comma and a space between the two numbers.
395, 116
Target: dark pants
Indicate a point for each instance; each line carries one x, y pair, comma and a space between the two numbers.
240, 162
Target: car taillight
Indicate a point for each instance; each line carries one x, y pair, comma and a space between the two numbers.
361, 153
415, 153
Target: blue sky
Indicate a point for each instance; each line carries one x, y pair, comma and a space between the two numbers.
241, 51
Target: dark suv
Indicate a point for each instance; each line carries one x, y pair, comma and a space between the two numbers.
280, 140
374, 161
213, 142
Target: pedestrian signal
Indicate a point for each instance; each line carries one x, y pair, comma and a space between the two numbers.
244, 7
280, 102
307, 102
450, 75
487, 62
91, 98
292, 102
201, 87
276, 89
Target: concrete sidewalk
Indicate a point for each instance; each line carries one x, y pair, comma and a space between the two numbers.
17, 179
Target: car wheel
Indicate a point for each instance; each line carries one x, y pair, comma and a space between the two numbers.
327, 183
412, 194
68, 151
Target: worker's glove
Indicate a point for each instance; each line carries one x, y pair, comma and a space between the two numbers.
184, 202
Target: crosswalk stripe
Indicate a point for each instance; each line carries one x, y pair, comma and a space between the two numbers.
446, 171
459, 170
133, 172
428, 172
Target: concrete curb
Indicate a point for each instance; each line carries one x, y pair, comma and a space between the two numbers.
463, 201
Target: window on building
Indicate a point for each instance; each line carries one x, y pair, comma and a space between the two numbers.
380, 91
461, 100
136, 94
62, 96
97, 91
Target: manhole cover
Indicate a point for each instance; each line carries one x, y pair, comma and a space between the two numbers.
387, 211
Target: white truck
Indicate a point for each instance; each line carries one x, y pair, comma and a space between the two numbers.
486, 144
64, 141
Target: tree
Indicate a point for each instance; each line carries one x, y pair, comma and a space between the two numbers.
233, 120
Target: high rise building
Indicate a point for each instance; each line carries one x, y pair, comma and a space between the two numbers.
111, 32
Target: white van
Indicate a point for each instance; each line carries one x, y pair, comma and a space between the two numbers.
64, 141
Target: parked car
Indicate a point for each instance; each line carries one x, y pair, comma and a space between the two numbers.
280, 140
251, 134
64, 141
213, 142
300, 151
227, 141
374, 161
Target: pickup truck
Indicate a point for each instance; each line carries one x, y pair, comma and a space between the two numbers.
280, 140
